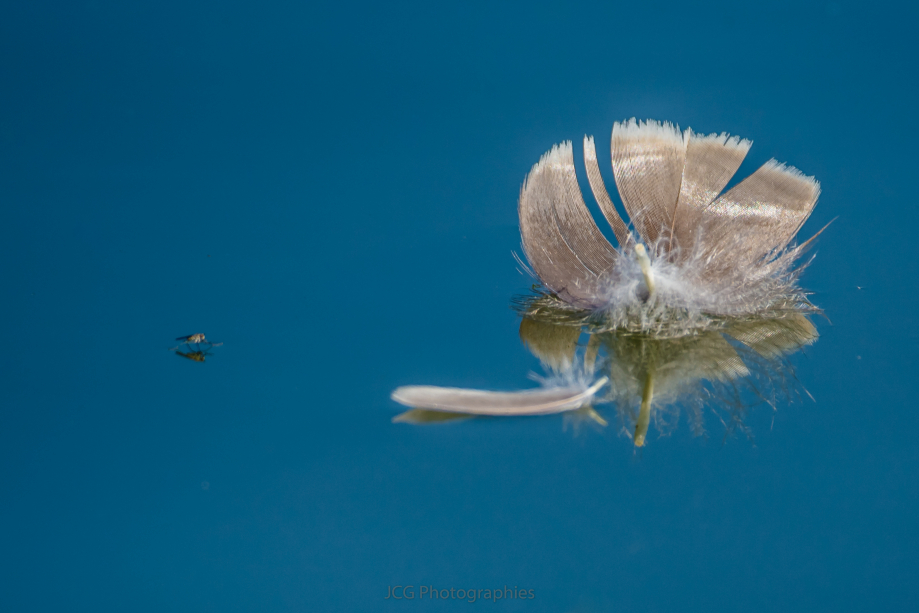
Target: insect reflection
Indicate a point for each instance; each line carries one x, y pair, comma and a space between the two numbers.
197, 356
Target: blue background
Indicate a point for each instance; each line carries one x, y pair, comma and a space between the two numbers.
330, 189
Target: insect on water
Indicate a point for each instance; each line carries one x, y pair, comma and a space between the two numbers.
196, 342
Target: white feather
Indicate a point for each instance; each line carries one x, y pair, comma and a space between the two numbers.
480, 402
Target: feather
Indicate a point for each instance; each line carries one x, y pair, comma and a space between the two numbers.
479, 402
648, 159
601, 195
711, 161
766, 209
574, 221
556, 264
701, 256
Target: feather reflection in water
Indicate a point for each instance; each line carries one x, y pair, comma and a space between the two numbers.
731, 369
651, 378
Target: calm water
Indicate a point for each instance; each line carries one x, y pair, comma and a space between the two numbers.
331, 192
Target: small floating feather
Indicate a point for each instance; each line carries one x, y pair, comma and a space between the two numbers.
480, 402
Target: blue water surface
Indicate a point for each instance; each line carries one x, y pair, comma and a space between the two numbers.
329, 188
